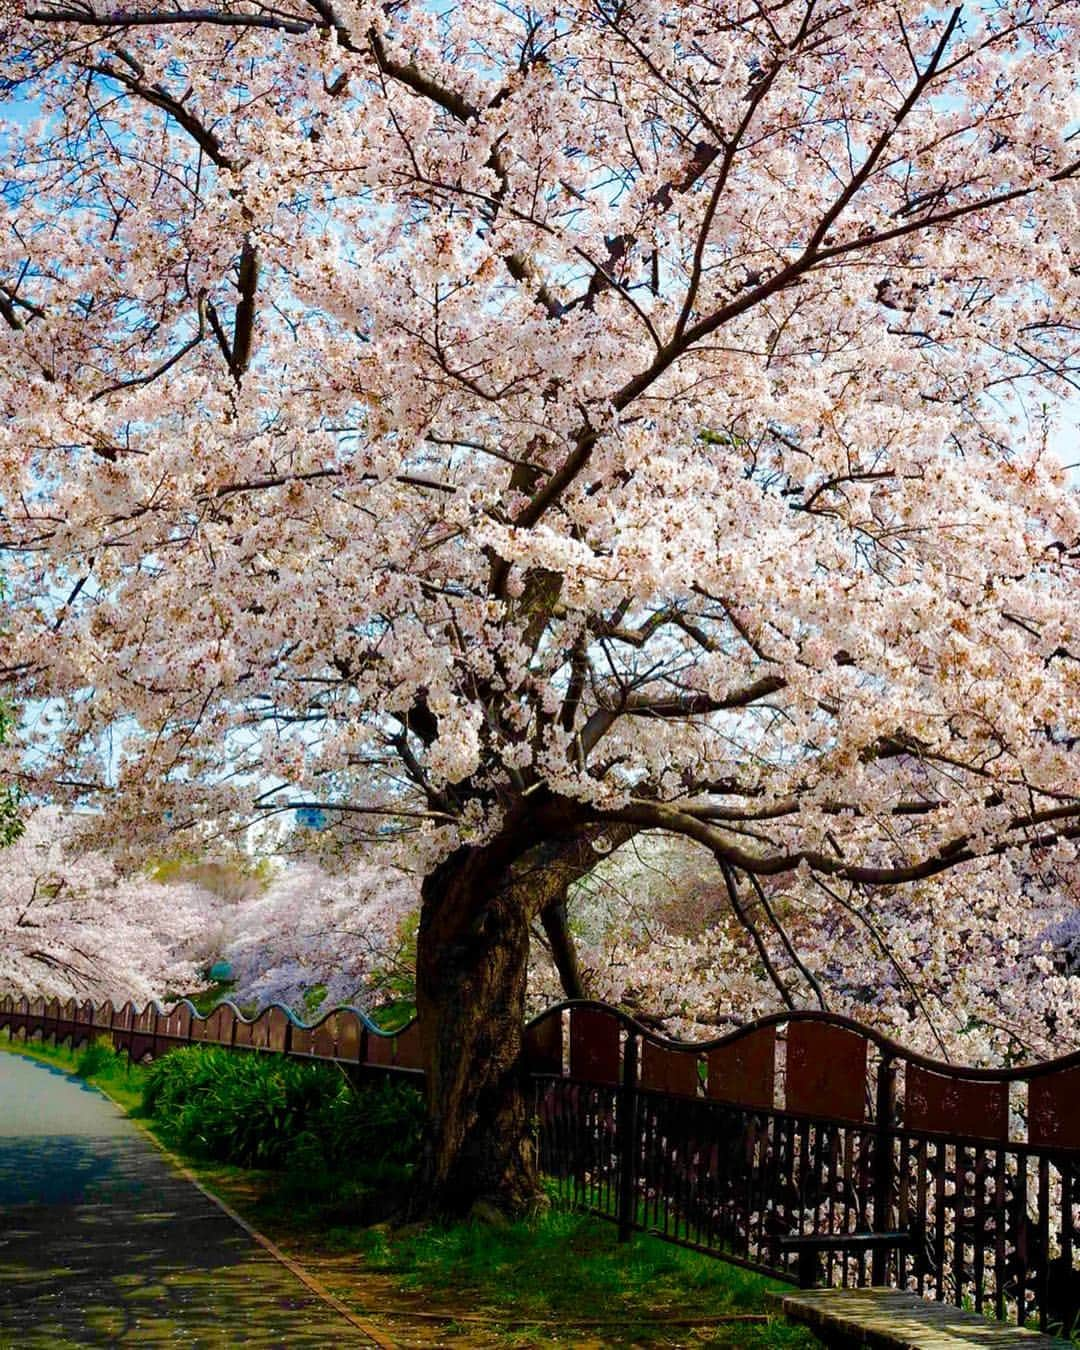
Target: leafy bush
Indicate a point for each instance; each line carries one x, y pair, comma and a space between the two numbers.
268, 1111
96, 1058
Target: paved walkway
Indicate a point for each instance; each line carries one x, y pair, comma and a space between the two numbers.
103, 1243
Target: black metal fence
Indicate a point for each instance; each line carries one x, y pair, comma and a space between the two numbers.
810, 1126
799, 1126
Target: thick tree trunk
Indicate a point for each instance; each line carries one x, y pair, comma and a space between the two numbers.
471, 967
471, 971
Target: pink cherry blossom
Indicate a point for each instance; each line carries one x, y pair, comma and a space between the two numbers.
498, 425
73, 926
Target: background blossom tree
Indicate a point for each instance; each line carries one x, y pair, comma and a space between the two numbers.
314, 939
977, 966
11, 824
73, 927
513, 428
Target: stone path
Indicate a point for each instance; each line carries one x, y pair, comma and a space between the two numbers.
104, 1243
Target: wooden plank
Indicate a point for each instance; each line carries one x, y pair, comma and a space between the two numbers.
594, 1045
744, 1071
888, 1319
946, 1104
1053, 1120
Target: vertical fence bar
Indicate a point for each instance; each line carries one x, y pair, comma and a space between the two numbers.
978, 1228
1001, 1223
883, 1163
1042, 1284
626, 1136
1021, 1240
959, 1208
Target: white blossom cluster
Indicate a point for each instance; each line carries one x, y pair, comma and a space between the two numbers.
342, 938
73, 926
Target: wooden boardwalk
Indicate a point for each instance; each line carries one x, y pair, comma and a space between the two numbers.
887, 1319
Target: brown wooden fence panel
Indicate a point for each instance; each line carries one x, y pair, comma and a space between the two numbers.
219, 1025
65, 1030
350, 1032
408, 1053
544, 1043
302, 1041
277, 1029
950, 1105
324, 1039
141, 1042
259, 1030
665, 1070
594, 1045
380, 1049
826, 1071
744, 1071
255, 1030
178, 1025
1054, 1111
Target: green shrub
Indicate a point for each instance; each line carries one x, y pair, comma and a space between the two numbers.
97, 1057
260, 1110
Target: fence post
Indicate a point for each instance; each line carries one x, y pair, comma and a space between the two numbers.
883, 1164
626, 1130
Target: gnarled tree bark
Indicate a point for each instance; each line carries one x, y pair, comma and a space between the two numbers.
471, 975
471, 970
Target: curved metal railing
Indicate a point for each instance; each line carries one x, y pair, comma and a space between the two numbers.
823, 1064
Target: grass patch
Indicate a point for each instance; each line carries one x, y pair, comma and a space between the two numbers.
568, 1269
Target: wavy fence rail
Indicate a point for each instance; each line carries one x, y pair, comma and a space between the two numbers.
346, 1035
797, 1133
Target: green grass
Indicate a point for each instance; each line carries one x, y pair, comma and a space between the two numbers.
544, 1281
569, 1269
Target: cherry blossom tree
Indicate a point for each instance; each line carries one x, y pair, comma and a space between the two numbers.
11, 824
512, 428
976, 965
346, 934
72, 926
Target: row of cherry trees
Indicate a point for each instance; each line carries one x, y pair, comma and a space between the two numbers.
72, 925
511, 429
649, 930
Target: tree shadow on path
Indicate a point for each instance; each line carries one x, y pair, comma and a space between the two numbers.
103, 1243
